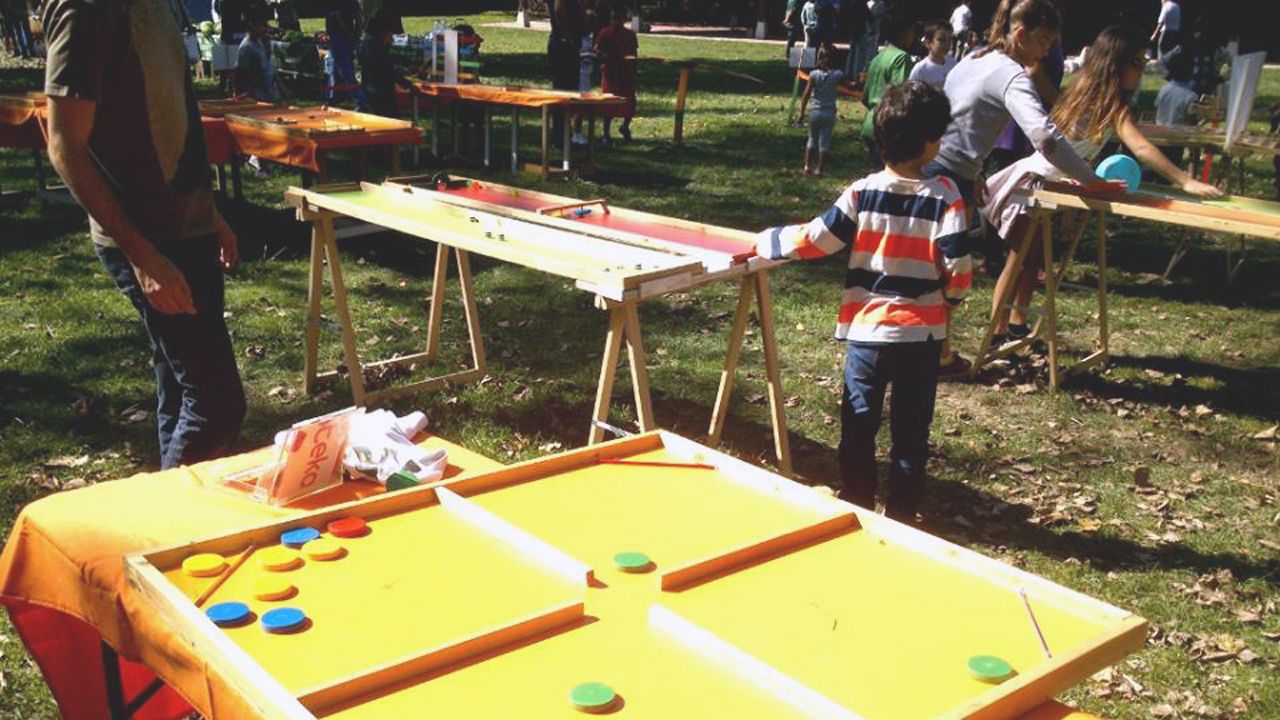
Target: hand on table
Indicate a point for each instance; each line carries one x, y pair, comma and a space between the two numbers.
164, 285
1195, 187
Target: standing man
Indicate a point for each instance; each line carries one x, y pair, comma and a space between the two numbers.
125, 135
1168, 25
563, 55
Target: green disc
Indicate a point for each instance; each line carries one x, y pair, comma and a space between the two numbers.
632, 561
592, 696
989, 668
400, 480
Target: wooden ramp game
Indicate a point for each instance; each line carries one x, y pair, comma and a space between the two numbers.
303, 137
1242, 216
623, 257
648, 577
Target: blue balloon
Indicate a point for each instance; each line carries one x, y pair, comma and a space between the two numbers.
1121, 167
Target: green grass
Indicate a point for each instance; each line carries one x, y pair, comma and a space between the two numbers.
1040, 480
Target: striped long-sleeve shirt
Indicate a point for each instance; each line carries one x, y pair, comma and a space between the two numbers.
908, 256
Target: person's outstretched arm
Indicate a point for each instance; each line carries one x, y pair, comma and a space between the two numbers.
1151, 156
821, 236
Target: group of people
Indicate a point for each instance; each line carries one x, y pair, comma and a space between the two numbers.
909, 224
586, 35
15, 28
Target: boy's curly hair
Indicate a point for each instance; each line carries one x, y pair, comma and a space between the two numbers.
908, 116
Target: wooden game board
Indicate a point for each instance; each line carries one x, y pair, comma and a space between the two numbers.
621, 256
491, 597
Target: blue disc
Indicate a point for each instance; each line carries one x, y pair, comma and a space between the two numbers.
227, 613
283, 619
298, 537
1121, 167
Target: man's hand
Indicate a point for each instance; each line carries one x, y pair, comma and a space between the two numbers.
164, 285
228, 246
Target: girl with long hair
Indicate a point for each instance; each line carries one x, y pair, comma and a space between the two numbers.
992, 86
1093, 109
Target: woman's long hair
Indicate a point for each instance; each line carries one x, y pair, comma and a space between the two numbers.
1095, 101
1030, 14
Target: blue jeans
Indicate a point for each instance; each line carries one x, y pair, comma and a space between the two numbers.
868, 370
200, 401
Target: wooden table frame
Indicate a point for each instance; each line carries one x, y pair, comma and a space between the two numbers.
621, 301
1053, 197
571, 104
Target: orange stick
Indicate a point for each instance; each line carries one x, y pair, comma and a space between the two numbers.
654, 463
213, 587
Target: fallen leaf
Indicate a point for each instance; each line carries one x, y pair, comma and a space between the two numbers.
1268, 434
1163, 710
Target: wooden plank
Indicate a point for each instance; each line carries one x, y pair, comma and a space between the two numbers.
773, 372
474, 335
435, 309
639, 373
737, 331
608, 371
759, 673
1175, 213
315, 291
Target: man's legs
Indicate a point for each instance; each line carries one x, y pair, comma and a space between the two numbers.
860, 408
200, 398
915, 387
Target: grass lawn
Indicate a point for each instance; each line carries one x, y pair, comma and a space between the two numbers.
1141, 485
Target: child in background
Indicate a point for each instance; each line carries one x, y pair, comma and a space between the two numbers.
888, 68
908, 264
823, 86
1091, 109
586, 66
617, 47
933, 68
986, 89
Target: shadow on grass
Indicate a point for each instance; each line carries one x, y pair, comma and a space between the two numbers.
1243, 391
1008, 524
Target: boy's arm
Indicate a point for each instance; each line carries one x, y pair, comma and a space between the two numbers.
822, 236
953, 253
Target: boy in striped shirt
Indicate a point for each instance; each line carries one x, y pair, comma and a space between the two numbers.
908, 265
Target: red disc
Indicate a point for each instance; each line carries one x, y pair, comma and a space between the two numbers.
347, 527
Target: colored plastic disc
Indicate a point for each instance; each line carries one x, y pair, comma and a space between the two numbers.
204, 565
989, 668
400, 480
592, 697
279, 559
1121, 167
632, 562
347, 527
227, 613
283, 619
298, 537
323, 549
272, 587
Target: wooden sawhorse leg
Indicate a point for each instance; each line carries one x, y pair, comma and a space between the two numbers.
757, 284
324, 248
624, 325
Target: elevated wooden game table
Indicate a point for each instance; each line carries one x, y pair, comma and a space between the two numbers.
1231, 214
302, 138
488, 97
623, 257
23, 126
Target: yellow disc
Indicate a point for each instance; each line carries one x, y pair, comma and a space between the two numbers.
323, 549
272, 588
279, 558
204, 565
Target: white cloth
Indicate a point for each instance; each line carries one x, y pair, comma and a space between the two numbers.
961, 19
930, 72
1000, 210
1170, 16
380, 444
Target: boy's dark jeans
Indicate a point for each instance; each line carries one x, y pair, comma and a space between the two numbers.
868, 370
200, 401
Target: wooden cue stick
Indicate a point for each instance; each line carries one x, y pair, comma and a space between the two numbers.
1035, 625
656, 463
213, 588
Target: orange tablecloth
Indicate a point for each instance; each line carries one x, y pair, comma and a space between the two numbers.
62, 580
301, 150
20, 126
517, 96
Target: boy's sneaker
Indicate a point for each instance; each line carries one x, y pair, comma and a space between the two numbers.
954, 366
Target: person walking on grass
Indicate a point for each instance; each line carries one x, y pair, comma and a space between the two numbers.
908, 265
125, 135
824, 84
617, 48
